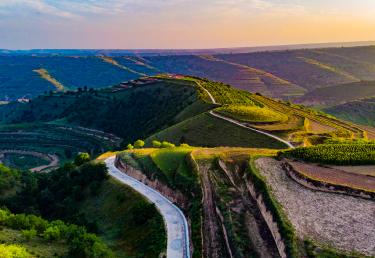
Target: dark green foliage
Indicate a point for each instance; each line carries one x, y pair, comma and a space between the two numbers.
81, 244
81, 159
335, 154
132, 113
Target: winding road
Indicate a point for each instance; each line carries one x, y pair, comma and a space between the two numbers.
176, 224
233, 121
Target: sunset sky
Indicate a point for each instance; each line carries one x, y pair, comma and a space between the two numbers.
126, 24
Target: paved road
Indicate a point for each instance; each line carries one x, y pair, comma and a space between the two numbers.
174, 219
241, 124
250, 128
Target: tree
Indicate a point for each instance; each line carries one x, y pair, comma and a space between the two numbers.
52, 233
139, 144
156, 144
129, 146
82, 158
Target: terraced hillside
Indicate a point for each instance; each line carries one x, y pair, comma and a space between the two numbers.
46, 146
339, 94
281, 74
231, 210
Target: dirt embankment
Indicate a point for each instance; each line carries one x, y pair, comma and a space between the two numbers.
231, 213
173, 195
344, 222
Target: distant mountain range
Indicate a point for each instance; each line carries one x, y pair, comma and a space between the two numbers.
152, 52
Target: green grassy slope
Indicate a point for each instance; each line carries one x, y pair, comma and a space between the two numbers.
206, 130
360, 111
130, 111
114, 212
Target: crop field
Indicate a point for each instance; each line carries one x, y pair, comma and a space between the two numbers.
335, 154
252, 114
339, 221
335, 176
361, 170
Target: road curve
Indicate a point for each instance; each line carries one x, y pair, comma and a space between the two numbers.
252, 129
174, 219
213, 100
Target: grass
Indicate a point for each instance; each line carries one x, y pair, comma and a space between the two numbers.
252, 114
37, 246
112, 212
208, 131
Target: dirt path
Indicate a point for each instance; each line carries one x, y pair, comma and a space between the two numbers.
344, 222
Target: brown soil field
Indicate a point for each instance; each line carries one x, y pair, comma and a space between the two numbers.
363, 170
343, 222
335, 176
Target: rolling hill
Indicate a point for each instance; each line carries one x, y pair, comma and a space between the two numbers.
284, 74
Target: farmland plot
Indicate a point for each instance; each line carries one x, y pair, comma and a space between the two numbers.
344, 222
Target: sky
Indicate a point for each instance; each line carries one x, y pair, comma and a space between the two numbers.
187, 24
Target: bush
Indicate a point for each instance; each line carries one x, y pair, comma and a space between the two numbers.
156, 144
139, 144
52, 233
165, 144
81, 159
13, 251
129, 146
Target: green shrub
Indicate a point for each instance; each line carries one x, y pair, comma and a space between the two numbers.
13, 251
139, 144
81, 159
129, 146
156, 144
166, 144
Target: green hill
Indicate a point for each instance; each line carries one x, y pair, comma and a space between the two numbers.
359, 111
339, 94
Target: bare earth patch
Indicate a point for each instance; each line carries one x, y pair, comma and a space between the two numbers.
345, 222
363, 170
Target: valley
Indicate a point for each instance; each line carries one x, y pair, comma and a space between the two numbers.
171, 165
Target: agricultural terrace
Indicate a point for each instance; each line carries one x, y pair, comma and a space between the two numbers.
252, 114
335, 154
330, 220
43, 140
318, 122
